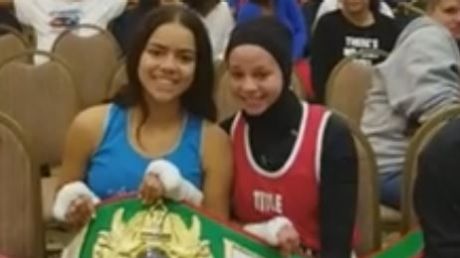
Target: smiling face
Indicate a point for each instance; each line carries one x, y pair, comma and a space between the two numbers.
255, 78
447, 12
167, 64
355, 6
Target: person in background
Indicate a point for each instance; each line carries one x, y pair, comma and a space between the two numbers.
50, 18
295, 164
124, 26
420, 77
164, 113
328, 6
355, 27
219, 21
287, 11
309, 10
437, 195
235, 5
7, 18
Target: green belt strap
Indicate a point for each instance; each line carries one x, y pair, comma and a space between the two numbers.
409, 246
124, 229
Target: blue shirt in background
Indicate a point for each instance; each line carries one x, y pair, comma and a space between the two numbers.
288, 12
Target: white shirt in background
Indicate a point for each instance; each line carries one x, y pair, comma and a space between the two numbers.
219, 23
49, 18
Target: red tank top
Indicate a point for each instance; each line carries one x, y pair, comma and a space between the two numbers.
292, 191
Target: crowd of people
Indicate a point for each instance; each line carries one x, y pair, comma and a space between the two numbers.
286, 169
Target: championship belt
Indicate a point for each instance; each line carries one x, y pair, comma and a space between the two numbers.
126, 228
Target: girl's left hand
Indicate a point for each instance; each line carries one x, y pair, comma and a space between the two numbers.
151, 189
289, 240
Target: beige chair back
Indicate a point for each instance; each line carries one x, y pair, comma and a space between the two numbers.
225, 101
93, 59
368, 216
42, 99
12, 42
21, 227
219, 69
346, 88
119, 79
416, 145
297, 87
411, 8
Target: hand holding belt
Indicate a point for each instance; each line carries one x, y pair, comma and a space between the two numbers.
268, 230
67, 194
175, 186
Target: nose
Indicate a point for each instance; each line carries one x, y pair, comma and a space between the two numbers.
248, 85
168, 63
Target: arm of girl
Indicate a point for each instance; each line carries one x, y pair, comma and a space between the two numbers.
218, 169
338, 190
74, 202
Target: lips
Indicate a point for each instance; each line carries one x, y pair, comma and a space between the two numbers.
164, 80
165, 83
252, 101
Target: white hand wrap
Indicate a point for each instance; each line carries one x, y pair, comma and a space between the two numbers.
175, 186
69, 193
269, 229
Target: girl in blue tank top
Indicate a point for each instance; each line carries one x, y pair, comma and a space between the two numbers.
117, 167
163, 113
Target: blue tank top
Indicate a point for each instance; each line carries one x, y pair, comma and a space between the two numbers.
116, 167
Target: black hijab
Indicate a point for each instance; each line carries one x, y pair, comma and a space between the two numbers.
272, 133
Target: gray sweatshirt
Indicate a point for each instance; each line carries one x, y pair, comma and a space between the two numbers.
419, 77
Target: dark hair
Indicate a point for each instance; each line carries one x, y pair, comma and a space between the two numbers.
148, 3
203, 7
262, 2
198, 98
374, 6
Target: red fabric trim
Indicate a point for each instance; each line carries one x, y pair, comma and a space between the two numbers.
302, 69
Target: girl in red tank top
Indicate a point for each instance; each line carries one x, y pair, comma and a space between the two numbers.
286, 188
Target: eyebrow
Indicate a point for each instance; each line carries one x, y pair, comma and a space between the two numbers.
164, 47
257, 68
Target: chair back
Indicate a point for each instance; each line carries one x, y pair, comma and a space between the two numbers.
416, 146
347, 86
11, 42
21, 226
93, 55
119, 79
42, 99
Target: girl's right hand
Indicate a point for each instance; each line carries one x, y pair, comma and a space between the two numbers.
79, 212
